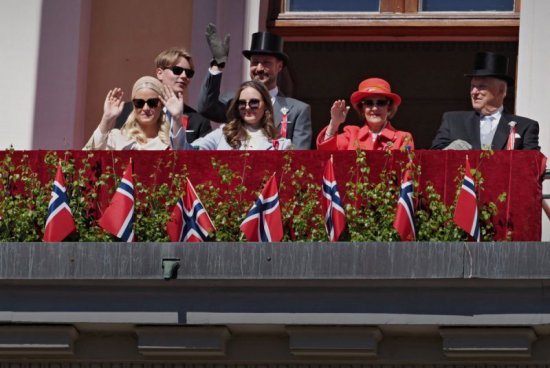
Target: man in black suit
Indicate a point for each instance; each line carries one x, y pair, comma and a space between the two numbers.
292, 117
174, 68
488, 126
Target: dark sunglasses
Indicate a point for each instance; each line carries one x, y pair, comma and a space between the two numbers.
139, 103
254, 104
177, 70
371, 103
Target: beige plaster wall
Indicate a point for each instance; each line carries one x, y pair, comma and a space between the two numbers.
125, 37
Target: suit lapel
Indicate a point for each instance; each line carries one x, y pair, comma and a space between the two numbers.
277, 115
501, 135
280, 103
472, 130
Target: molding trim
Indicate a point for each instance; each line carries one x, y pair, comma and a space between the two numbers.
334, 341
487, 342
182, 341
37, 340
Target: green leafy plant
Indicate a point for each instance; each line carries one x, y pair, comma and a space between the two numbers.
226, 201
302, 217
370, 202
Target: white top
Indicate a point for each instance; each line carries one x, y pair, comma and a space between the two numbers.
114, 140
215, 140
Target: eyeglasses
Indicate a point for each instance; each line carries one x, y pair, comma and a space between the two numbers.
177, 70
371, 103
254, 104
139, 103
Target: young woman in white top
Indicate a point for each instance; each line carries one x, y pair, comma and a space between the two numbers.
250, 123
147, 127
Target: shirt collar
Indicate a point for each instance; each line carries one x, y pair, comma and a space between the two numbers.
273, 93
496, 115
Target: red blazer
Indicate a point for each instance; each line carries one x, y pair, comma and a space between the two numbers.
355, 137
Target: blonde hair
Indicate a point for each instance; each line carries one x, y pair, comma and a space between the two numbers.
170, 57
131, 128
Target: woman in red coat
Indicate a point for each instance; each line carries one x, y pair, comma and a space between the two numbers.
376, 104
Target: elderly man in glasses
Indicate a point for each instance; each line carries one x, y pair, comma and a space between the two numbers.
174, 68
267, 59
488, 127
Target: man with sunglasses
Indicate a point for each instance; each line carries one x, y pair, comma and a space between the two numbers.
489, 126
174, 68
292, 117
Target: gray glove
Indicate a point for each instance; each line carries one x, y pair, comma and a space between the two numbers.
218, 48
458, 144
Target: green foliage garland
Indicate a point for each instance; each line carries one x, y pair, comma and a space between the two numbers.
370, 204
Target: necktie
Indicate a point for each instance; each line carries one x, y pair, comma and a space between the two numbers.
486, 132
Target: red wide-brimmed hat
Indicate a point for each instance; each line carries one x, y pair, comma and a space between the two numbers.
374, 86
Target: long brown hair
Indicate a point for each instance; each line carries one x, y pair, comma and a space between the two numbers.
235, 130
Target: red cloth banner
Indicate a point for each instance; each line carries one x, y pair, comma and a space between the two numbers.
515, 172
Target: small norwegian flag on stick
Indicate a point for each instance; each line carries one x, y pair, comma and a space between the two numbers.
466, 215
404, 221
333, 209
189, 221
118, 218
264, 223
60, 221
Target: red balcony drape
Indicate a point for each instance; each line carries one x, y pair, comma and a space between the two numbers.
518, 173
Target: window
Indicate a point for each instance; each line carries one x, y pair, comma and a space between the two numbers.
401, 20
467, 5
333, 6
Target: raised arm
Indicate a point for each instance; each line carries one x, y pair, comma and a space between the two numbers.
209, 104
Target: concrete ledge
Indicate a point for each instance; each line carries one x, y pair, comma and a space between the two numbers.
276, 261
226, 261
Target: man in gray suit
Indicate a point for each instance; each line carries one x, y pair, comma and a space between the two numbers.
488, 126
267, 59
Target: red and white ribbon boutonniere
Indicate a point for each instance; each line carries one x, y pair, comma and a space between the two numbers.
511, 136
284, 122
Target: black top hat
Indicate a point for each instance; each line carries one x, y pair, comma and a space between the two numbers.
265, 43
489, 64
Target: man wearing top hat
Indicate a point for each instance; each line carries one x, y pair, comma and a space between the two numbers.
267, 59
488, 126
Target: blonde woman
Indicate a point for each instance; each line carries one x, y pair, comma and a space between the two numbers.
147, 127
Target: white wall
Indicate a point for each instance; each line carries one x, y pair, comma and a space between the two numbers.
19, 41
42, 69
533, 87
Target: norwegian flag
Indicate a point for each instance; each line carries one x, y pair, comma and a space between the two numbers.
466, 216
333, 209
512, 136
404, 216
118, 218
60, 221
264, 222
189, 221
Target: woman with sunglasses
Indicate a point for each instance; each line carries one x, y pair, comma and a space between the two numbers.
250, 123
147, 127
376, 104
